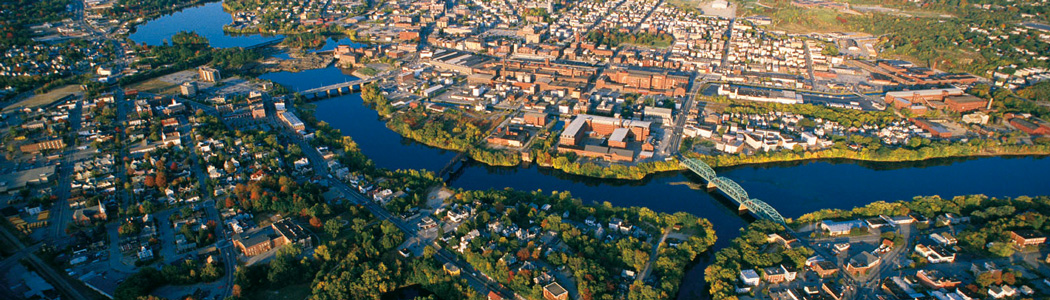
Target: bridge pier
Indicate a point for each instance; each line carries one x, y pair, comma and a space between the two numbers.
711, 186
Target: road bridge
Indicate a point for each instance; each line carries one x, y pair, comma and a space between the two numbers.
344, 87
732, 190
265, 44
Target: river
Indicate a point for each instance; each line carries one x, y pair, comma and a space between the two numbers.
206, 20
792, 188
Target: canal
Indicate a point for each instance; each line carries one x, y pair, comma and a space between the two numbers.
792, 188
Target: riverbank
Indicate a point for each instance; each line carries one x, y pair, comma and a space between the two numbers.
427, 132
298, 61
899, 155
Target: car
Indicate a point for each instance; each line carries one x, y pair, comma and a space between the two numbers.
404, 252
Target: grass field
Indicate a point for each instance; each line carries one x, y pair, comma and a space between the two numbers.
157, 86
47, 98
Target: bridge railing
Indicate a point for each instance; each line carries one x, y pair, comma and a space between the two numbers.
699, 167
732, 189
764, 210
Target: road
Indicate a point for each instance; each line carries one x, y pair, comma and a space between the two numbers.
809, 62
653, 256
675, 142
724, 65
61, 214
227, 252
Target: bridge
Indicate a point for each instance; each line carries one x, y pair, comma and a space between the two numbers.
266, 43
732, 190
454, 165
344, 87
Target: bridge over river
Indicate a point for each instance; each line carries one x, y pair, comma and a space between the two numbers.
732, 190
344, 87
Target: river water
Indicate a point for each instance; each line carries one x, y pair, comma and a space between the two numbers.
206, 20
792, 188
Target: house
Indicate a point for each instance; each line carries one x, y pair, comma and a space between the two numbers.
555, 291
86, 215
825, 269
944, 239
1004, 291
861, 263
777, 274
1024, 238
935, 280
145, 253
935, 254
508, 259
834, 291
841, 228
980, 268
451, 269
494, 296
750, 277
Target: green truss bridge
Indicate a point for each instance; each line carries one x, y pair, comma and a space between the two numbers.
732, 190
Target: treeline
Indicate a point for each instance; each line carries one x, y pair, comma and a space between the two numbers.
566, 163
748, 251
615, 38
934, 149
843, 116
129, 9
495, 157
1036, 92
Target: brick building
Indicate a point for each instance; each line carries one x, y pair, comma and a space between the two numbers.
555, 291
42, 145
1023, 238
1031, 127
644, 81
256, 241
964, 103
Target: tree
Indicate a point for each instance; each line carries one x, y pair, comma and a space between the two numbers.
162, 180
332, 227
315, 222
